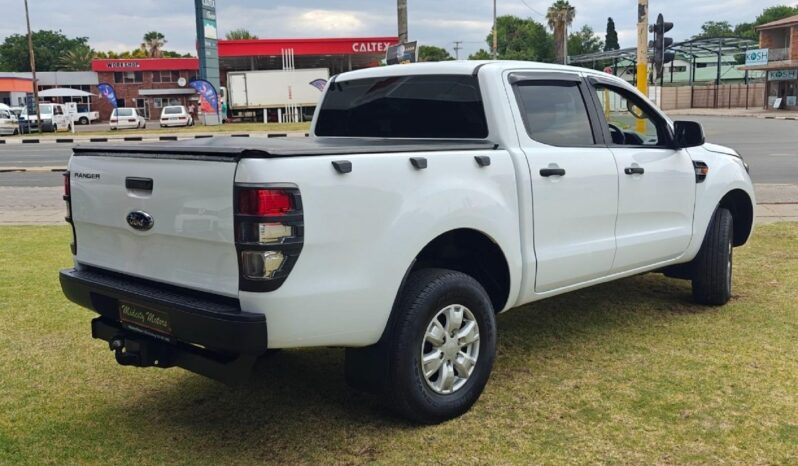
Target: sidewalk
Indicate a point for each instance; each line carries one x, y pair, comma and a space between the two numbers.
74, 138
736, 112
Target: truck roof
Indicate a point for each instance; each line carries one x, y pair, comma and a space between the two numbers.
458, 67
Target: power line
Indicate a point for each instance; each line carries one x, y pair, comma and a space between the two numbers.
533, 10
457, 49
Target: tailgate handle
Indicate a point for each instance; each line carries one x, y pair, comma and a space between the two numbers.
143, 184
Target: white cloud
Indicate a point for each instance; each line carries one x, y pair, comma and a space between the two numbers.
336, 22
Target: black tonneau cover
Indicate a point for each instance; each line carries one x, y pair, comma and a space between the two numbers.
233, 148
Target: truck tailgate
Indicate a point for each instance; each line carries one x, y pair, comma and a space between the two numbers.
191, 239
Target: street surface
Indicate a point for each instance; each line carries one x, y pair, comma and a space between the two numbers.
769, 147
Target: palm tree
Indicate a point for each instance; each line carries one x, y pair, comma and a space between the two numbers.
240, 34
560, 15
77, 59
153, 44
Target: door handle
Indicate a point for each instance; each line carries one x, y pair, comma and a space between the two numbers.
634, 170
552, 172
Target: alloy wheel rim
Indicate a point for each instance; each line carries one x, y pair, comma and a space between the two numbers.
450, 349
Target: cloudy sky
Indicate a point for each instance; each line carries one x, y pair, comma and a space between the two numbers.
433, 22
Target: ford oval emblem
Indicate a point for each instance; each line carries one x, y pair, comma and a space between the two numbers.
140, 220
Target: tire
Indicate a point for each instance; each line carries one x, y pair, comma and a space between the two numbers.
83, 121
712, 272
436, 294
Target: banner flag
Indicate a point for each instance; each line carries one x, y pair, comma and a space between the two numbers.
107, 91
208, 94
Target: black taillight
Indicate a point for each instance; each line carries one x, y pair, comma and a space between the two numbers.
68, 218
269, 232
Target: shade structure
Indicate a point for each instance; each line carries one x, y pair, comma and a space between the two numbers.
64, 92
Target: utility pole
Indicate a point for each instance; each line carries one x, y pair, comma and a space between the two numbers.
401, 14
495, 34
642, 55
457, 49
33, 71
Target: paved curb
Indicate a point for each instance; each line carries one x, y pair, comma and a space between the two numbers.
165, 137
730, 115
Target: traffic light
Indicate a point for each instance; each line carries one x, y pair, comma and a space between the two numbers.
660, 43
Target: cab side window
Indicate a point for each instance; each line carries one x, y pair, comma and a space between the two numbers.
58, 110
554, 113
628, 122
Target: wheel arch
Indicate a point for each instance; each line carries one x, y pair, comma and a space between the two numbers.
740, 205
472, 252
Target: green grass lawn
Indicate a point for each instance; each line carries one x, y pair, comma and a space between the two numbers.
625, 373
154, 129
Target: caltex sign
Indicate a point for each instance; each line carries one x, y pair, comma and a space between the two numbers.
756, 57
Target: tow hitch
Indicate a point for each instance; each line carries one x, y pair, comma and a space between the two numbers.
138, 350
132, 352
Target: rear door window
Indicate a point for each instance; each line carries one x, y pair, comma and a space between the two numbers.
423, 106
554, 113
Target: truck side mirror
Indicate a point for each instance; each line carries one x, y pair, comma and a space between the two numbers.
688, 134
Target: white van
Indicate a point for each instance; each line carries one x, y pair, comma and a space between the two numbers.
54, 118
8, 121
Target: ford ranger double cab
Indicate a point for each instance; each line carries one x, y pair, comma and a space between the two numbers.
428, 198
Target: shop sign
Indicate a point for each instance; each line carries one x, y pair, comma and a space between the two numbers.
370, 47
756, 57
782, 75
123, 64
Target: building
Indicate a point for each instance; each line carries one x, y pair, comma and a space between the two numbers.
147, 84
80, 80
14, 87
778, 57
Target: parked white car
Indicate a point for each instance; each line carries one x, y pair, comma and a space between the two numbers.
430, 198
126, 117
176, 115
8, 121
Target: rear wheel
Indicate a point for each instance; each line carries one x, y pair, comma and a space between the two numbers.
712, 272
83, 121
441, 350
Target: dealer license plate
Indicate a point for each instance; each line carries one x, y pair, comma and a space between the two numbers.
150, 319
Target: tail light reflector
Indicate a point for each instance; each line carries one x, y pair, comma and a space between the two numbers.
263, 202
269, 232
68, 218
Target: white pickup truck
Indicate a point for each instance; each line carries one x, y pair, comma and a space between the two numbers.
428, 199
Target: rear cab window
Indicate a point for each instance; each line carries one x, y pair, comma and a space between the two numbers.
420, 106
123, 112
555, 112
173, 110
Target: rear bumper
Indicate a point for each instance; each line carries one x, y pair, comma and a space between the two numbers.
196, 318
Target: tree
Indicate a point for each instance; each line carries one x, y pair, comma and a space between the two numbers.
480, 54
560, 15
431, 53
519, 39
776, 13
48, 46
611, 37
712, 29
153, 44
240, 34
746, 31
77, 59
584, 41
